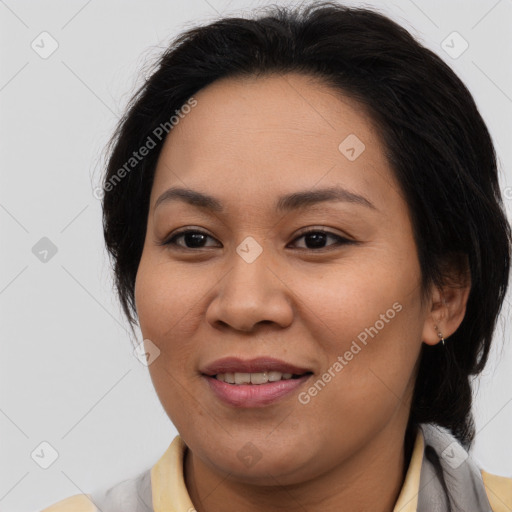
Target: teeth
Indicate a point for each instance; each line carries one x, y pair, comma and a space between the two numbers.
242, 378
259, 378
252, 378
273, 376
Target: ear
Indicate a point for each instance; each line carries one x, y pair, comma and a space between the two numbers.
447, 304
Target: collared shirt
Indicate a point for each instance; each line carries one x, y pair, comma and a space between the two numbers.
170, 494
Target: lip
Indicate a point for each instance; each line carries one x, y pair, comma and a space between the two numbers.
256, 365
253, 395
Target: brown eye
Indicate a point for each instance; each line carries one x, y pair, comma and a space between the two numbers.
193, 238
316, 239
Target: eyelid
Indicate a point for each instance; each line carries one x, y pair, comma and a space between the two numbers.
324, 229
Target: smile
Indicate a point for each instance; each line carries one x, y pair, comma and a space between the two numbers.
255, 378
250, 395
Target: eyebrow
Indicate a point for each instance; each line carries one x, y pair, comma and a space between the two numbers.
285, 203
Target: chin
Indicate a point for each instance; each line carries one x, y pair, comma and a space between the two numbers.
267, 466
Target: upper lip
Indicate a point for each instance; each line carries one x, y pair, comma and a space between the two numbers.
256, 365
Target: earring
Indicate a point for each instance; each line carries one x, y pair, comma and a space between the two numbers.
440, 335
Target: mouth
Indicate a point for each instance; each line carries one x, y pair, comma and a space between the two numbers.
253, 383
261, 367
258, 378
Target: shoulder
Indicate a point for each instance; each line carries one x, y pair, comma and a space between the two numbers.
499, 491
129, 495
76, 503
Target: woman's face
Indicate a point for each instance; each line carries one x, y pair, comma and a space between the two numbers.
344, 312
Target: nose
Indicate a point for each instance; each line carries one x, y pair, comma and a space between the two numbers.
251, 294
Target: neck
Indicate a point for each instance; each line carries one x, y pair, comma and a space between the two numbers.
370, 480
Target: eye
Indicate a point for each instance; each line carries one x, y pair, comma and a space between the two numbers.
315, 239
192, 236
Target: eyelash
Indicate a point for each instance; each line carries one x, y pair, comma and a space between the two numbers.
340, 240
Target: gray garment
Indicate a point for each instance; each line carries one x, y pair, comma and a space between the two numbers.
449, 481
133, 495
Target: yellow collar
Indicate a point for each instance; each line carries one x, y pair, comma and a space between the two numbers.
171, 495
408, 497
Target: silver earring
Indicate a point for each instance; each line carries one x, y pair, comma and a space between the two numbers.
440, 335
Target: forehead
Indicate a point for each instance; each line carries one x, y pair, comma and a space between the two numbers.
272, 133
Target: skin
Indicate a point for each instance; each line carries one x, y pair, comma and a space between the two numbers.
247, 142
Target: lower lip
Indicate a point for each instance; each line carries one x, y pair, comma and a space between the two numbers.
254, 395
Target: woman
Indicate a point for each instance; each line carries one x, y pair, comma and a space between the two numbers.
305, 220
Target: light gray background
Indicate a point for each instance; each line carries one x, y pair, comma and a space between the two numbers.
68, 375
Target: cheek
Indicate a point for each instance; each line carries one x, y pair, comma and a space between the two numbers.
166, 298
367, 320
350, 298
